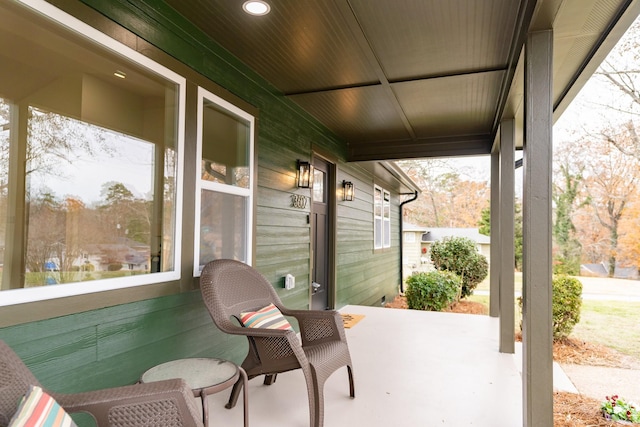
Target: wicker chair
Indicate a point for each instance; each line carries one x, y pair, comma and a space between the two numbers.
163, 404
230, 287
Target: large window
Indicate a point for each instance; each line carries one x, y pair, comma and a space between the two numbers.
90, 154
225, 182
381, 218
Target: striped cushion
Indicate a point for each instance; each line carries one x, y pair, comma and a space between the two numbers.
269, 317
38, 409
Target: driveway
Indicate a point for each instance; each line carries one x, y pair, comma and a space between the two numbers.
593, 288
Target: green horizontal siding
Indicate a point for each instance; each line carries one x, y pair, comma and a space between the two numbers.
114, 345
365, 276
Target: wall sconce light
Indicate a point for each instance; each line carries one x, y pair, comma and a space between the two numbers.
305, 174
348, 191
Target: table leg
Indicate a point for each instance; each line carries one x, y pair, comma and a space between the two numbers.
245, 395
205, 409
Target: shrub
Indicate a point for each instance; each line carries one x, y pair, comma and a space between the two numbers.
432, 291
566, 305
569, 267
88, 267
114, 267
567, 302
460, 255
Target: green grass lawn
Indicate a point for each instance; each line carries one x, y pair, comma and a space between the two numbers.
615, 324
517, 282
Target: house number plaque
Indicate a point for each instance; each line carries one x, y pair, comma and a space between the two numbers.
298, 201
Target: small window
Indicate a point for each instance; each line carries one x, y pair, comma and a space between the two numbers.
381, 218
225, 182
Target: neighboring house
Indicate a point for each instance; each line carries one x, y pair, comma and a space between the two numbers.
412, 257
435, 234
601, 270
417, 242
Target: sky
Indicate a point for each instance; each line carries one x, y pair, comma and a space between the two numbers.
85, 176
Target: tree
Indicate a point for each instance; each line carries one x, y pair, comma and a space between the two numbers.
611, 179
485, 222
629, 236
447, 199
621, 72
517, 242
485, 228
566, 191
123, 215
45, 234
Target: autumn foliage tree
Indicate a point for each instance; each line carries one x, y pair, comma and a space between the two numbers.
448, 198
611, 182
596, 184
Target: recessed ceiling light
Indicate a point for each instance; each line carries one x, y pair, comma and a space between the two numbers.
256, 7
120, 74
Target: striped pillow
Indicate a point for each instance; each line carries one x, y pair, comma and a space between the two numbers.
268, 317
38, 409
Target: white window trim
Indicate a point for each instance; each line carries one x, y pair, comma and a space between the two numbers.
82, 30
381, 218
386, 235
219, 187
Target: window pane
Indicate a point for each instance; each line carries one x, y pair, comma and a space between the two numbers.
222, 227
318, 186
377, 202
5, 126
387, 233
225, 147
378, 233
89, 173
90, 218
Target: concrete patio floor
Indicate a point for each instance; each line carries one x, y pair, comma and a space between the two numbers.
411, 368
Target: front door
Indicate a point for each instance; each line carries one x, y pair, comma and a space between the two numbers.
321, 224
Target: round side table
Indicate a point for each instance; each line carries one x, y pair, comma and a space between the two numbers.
204, 376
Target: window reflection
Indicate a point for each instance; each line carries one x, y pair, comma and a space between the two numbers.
318, 186
225, 147
222, 227
89, 196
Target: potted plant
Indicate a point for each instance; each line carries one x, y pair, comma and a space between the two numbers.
617, 409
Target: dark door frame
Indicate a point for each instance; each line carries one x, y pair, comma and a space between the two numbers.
331, 192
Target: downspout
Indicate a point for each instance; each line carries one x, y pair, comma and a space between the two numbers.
415, 196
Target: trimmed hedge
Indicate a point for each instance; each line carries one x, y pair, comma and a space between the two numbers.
460, 255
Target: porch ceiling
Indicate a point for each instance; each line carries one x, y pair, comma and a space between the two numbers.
412, 78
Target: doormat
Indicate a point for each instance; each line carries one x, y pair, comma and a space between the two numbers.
351, 319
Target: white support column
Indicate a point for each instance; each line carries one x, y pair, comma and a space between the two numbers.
495, 261
537, 263
506, 243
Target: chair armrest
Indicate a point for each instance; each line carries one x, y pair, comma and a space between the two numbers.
317, 326
167, 403
270, 343
256, 332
